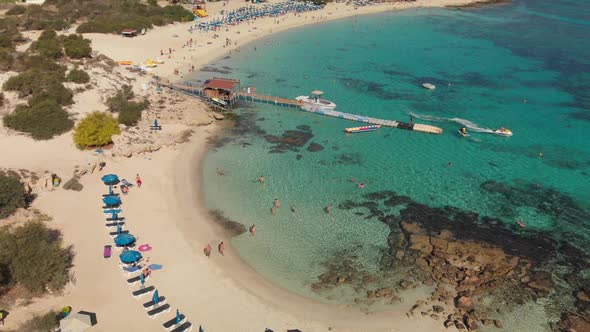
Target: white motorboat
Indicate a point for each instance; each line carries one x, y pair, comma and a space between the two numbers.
429, 86
503, 132
219, 102
316, 101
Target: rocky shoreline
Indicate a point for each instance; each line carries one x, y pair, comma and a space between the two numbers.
477, 268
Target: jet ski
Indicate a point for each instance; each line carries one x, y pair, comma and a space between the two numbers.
463, 132
503, 132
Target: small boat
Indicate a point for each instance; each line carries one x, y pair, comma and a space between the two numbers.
362, 129
463, 132
503, 132
429, 86
316, 101
219, 102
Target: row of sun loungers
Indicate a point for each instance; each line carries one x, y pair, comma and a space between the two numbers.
157, 305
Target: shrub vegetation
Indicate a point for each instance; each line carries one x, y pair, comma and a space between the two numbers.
16, 10
40, 323
73, 184
35, 257
77, 47
129, 111
78, 76
12, 195
111, 16
48, 45
96, 129
42, 119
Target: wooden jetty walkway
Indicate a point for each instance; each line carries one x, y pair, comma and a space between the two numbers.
250, 95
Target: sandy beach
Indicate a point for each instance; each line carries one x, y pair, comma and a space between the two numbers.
220, 293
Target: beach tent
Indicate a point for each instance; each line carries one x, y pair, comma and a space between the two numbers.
79, 322
124, 239
110, 179
130, 256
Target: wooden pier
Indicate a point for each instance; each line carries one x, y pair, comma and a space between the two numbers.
249, 94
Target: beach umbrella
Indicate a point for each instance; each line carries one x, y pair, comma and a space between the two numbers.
124, 239
119, 229
130, 256
79, 322
111, 200
110, 179
156, 297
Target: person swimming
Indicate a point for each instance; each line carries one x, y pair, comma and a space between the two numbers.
361, 185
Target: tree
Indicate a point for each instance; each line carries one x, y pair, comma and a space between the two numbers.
12, 195
35, 256
96, 129
43, 119
77, 47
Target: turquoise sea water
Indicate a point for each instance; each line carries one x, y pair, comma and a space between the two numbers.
525, 66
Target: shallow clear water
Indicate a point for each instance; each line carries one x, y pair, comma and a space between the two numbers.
524, 66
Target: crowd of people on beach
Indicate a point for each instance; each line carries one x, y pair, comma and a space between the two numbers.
247, 13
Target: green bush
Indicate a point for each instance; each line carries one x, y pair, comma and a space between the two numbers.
42, 120
41, 85
12, 195
73, 184
41, 323
77, 47
96, 129
78, 76
35, 256
48, 45
1, 99
16, 10
131, 113
118, 101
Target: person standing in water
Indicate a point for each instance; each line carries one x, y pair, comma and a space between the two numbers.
277, 203
261, 179
253, 230
329, 208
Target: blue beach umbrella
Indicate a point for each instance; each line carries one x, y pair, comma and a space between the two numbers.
112, 200
130, 256
110, 179
156, 297
124, 239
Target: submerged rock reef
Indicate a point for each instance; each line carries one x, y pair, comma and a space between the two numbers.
477, 267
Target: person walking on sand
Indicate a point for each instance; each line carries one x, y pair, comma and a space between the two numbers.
207, 250
253, 230
329, 208
221, 248
2, 318
138, 181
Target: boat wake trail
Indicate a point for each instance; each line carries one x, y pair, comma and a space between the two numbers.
464, 122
